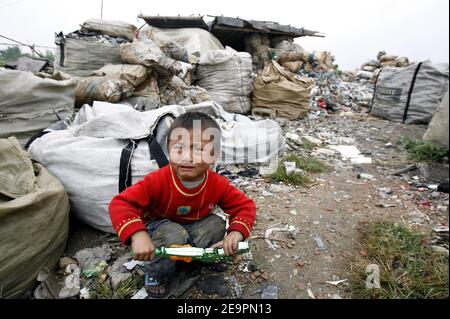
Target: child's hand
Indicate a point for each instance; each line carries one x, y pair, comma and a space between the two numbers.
231, 241
142, 246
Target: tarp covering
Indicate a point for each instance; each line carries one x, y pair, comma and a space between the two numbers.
196, 41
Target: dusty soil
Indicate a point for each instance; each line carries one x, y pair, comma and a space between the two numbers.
333, 209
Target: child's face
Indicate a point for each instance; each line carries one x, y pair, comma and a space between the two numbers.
191, 156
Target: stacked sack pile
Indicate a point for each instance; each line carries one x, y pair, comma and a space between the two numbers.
287, 53
148, 71
112, 62
294, 58
371, 69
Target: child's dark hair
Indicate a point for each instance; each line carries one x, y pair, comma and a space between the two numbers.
187, 121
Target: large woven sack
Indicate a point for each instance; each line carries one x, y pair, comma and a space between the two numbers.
101, 89
133, 74
34, 220
147, 53
81, 57
29, 104
110, 27
227, 76
282, 91
294, 66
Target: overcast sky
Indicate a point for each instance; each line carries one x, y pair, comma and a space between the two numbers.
356, 30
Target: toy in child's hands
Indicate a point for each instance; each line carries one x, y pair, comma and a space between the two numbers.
208, 255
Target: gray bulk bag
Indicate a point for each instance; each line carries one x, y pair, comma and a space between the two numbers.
410, 95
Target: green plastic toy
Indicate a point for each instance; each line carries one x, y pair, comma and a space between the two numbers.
208, 255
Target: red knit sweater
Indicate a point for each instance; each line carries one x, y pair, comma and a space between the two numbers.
161, 195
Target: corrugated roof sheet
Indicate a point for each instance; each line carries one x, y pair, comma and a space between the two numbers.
175, 22
221, 24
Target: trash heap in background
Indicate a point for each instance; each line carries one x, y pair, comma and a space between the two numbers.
371, 69
333, 93
329, 89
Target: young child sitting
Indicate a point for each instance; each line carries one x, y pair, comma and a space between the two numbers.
173, 205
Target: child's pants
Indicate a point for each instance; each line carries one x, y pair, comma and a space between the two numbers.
200, 234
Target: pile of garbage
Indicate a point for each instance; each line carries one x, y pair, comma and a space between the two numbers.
371, 69
287, 53
93, 273
332, 93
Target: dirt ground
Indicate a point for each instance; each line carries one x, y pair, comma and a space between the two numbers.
333, 209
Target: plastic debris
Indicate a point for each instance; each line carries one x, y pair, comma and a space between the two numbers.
85, 293
270, 292
141, 294
236, 289
385, 205
96, 270
267, 235
336, 283
310, 294
132, 264
266, 193
291, 168
351, 153
279, 188
294, 138
71, 283
441, 229
324, 151
319, 242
